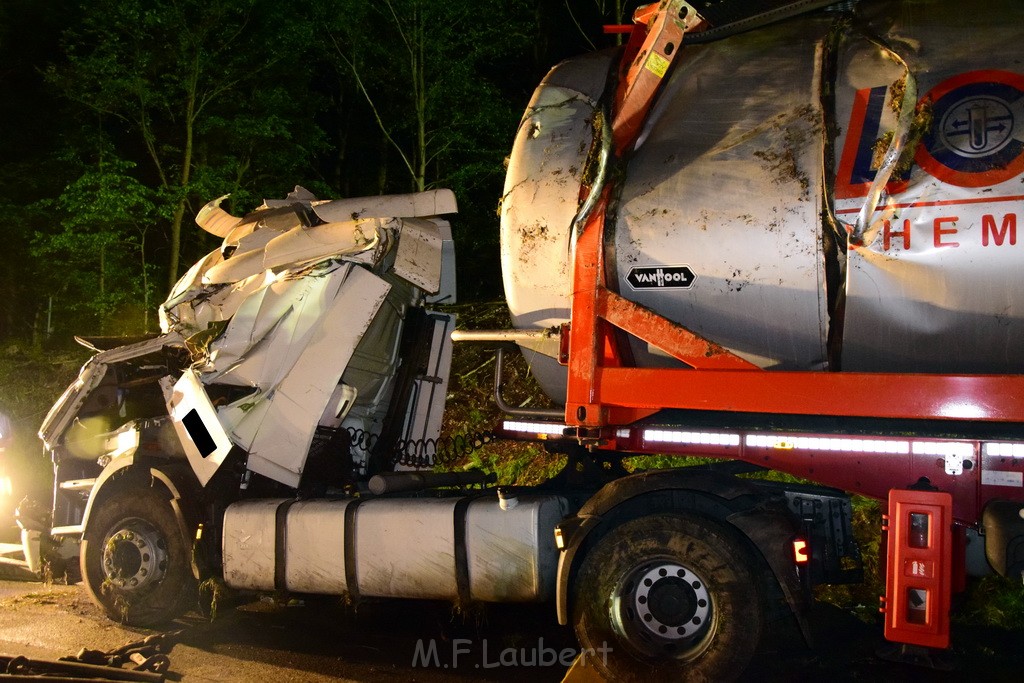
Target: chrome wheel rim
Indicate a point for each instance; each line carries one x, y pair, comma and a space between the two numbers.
663, 608
134, 556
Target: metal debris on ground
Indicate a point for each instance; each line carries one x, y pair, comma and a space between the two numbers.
148, 657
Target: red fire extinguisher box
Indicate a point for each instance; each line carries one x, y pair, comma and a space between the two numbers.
919, 569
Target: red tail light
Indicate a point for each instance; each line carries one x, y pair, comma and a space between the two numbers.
801, 552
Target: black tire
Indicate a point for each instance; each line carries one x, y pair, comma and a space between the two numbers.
668, 597
135, 563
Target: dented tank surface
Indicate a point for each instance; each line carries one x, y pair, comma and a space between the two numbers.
837, 191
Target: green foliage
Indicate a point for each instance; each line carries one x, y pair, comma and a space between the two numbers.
433, 78
104, 215
637, 463
993, 601
525, 465
471, 409
208, 94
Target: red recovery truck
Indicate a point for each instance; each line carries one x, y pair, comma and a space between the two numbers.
784, 239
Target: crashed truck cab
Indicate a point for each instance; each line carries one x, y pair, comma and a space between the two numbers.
307, 332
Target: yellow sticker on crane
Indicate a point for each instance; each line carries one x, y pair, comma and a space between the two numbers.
656, 64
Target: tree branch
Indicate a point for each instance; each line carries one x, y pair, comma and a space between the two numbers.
373, 108
398, 25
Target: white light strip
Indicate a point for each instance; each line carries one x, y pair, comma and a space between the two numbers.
701, 438
1004, 450
944, 448
815, 443
534, 427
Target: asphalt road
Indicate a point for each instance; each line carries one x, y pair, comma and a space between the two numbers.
272, 641
276, 641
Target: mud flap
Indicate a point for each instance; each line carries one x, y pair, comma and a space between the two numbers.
773, 536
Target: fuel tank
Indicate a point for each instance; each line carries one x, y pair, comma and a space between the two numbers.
838, 191
396, 547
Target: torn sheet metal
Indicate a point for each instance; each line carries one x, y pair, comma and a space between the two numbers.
201, 307
299, 195
292, 346
216, 220
934, 285
301, 245
418, 258
416, 205
293, 324
280, 236
269, 331
66, 410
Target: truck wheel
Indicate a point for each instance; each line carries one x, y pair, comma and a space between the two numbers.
135, 564
668, 597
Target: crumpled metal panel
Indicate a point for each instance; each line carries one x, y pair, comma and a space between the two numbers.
418, 258
65, 411
415, 205
936, 286
294, 309
292, 346
312, 244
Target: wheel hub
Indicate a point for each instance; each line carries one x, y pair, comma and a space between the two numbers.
134, 556
670, 602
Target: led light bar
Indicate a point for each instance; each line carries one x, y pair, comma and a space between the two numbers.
701, 438
547, 428
815, 443
1004, 450
944, 448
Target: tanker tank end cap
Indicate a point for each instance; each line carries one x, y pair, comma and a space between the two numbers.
506, 499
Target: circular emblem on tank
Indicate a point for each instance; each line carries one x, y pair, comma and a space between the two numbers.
660, 277
975, 137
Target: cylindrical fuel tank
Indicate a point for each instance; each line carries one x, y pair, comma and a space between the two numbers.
760, 208
395, 547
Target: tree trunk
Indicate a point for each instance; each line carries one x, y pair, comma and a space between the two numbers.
186, 175
420, 93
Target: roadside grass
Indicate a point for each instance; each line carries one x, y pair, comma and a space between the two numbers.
993, 601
